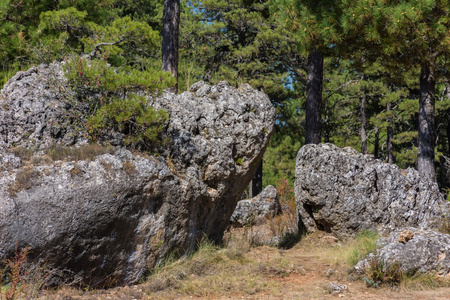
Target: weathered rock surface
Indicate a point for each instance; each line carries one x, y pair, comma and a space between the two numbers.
109, 220
33, 110
426, 252
342, 192
264, 205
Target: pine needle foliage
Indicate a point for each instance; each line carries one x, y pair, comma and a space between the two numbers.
140, 123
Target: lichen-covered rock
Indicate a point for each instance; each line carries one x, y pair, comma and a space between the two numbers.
343, 192
264, 205
110, 219
426, 252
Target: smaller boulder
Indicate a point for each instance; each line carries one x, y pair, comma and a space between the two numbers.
336, 288
426, 251
264, 205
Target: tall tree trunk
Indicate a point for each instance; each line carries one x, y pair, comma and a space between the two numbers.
363, 124
447, 89
256, 183
448, 131
390, 135
314, 97
376, 151
426, 140
171, 22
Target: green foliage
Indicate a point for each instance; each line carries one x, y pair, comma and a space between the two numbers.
279, 161
133, 117
88, 77
316, 23
23, 42
106, 95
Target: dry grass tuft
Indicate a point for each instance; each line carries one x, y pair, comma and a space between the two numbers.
333, 251
129, 168
22, 152
25, 179
422, 282
210, 271
86, 152
41, 160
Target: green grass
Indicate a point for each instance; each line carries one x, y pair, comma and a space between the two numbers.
365, 243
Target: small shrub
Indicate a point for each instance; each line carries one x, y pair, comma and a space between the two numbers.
380, 273
15, 273
106, 98
140, 123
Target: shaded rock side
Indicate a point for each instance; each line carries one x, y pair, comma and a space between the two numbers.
426, 252
109, 220
342, 192
264, 205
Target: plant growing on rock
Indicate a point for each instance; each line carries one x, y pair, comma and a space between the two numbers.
138, 122
105, 80
380, 273
15, 273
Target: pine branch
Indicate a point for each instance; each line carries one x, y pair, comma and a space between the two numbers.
97, 47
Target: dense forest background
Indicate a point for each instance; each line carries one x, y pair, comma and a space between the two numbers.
376, 55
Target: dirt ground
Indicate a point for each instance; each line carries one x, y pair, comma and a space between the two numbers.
302, 272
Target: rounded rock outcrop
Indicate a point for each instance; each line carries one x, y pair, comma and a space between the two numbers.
343, 192
109, 219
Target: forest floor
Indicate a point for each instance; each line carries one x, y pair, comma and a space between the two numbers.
241, 270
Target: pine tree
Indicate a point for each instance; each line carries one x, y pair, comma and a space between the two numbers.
408, 33
317, 26
242, 42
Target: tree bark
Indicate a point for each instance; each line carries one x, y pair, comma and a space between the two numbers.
447, 89
426, 140
390, 135
314, 97
256, 183
376, 151
171, 22
363, 124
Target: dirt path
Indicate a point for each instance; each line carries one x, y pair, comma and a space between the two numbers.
302, 272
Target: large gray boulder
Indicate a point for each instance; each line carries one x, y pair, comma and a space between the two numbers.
425, 251
343, 192
111, 219
264, 205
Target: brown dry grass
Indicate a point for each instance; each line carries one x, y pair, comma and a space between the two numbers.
84, 152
